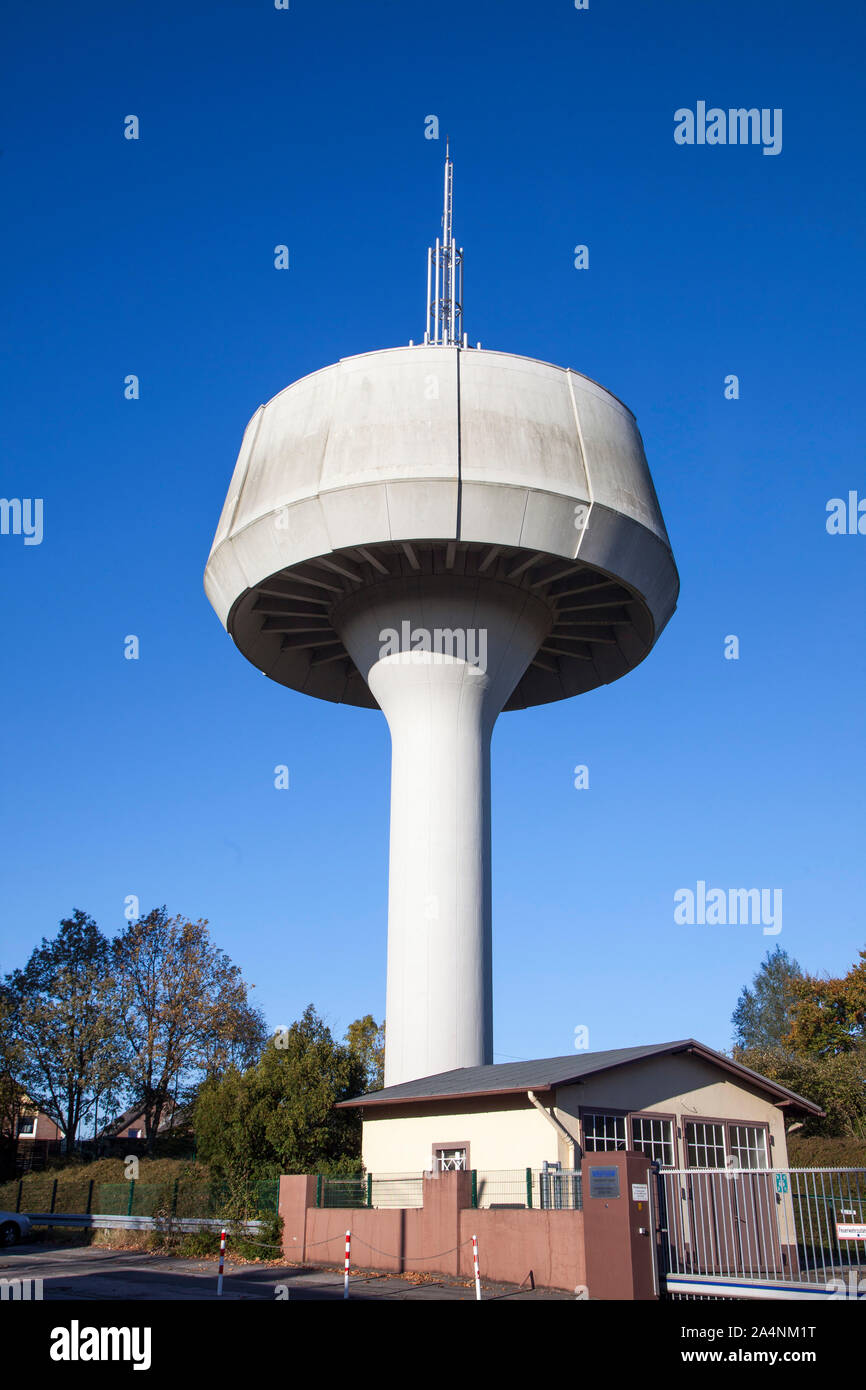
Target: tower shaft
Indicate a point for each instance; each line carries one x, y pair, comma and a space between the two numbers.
441, 659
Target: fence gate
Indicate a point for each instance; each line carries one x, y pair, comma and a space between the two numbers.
759, 1233
559, 1188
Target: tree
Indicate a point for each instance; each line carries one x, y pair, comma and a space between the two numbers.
366, 1038
63, 1015
11, 1094
810, 1035
834, 1083
829, 1015
279, 1116
762, 1016
186, 1012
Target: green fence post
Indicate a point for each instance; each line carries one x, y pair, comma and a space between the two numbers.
20, 1190
131, 1195
475, 1187
369, 1189
53, 1195
89, 1197
174, 1197
318, 1189
529, 1187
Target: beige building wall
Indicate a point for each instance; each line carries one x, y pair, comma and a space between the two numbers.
501, 1132
507, 1132
687, 1087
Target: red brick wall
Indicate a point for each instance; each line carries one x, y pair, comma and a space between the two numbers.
436, 1237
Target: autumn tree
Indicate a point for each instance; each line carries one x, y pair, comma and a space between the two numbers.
809, 1034
366, 1038
185, 1010
63, 1016
829, 1015
11, 1093
834, 1083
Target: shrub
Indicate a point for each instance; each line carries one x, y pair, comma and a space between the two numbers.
193, 1244
824, 1151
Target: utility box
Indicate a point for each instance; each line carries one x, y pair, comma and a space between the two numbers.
619, 1221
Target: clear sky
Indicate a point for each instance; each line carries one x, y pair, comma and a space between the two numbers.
155, 257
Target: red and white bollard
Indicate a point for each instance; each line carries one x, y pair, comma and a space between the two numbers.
222, 1262
475, 1263
346, 1274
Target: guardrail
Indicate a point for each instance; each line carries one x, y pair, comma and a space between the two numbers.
137, 1223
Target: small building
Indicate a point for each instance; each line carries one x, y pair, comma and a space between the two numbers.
35, 1127
679, 1103
28, 1136
131, 1124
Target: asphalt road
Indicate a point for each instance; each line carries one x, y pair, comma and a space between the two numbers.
82, 1272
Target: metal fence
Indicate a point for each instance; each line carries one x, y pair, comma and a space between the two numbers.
756, 1233
388, 1190
78, 1196
546, 1188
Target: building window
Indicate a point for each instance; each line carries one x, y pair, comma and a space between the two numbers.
133, 1134
603, 1132
748, 1144
27, 1125
705, 1144
655, 1138
726, 1145
449, 1160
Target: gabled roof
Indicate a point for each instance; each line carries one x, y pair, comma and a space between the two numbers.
136, 1112
546, 1073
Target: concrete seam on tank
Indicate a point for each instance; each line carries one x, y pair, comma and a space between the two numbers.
586, 468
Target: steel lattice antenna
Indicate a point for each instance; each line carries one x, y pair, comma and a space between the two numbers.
445, 276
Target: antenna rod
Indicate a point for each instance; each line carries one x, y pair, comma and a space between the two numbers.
445, 274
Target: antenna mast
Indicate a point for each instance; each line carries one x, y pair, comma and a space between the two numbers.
445, 276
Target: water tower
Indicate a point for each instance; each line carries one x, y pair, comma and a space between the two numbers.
442, 532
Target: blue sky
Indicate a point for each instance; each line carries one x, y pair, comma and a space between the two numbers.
155, 257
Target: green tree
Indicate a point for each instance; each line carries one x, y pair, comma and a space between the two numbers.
835, 1083
186, 1011
763, 1013
366, 1038
64, 1018
279, 1116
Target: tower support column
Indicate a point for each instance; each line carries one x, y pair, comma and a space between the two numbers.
441, 659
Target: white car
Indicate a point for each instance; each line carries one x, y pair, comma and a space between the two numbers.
14, 1226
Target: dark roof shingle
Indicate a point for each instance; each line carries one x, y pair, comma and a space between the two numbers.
540, 1074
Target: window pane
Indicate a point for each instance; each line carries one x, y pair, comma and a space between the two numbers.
705, 1145
654, 1138
749, 1146
451, 1160
603, 1132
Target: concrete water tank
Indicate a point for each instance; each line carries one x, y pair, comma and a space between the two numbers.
442, 532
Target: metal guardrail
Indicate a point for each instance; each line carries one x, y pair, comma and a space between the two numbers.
796, 1230
109, 1222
